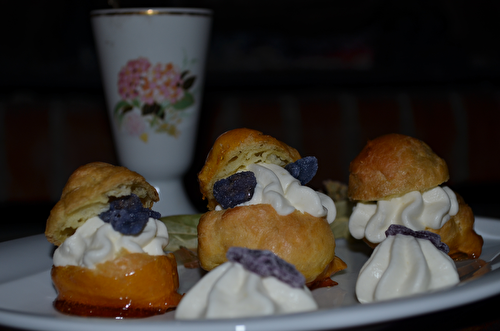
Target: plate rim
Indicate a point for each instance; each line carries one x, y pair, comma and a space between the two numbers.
371, 313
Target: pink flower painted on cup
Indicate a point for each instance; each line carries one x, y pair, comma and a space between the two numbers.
163, 83
131, 77
160, 92
134, 124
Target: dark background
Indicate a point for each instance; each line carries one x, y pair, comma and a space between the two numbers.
49, 45
323, 76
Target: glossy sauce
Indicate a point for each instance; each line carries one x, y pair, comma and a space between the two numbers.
72, 308
324, 280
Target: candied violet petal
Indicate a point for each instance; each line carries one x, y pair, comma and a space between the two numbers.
265, 263
293, 169
113, 214
130, 223
434, 238
154, 214
127, 215
304, 169
129, 202
235, 189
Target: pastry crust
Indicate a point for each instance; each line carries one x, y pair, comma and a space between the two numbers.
393, 165
236, 149
299, 238
87, 194
131, 285
458, 233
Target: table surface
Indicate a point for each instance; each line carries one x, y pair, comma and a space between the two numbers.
472, 317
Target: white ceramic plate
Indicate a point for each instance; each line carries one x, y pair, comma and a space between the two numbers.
26, 294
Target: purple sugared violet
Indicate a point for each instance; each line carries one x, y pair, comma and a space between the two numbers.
303, 169
127, 215
265, 263
235, 189
434, 238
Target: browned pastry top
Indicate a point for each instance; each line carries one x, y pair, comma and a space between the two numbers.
393, 165
87, 194
234, 150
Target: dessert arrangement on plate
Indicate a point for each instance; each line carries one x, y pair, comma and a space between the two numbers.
267, 240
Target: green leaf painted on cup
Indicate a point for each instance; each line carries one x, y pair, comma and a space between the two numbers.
185, 102
136, 103
184, 74
122, 106
150, 109
188, 82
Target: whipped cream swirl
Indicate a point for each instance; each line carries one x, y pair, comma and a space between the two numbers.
415, 210
404, 265
275, 186
231, 291
96, 242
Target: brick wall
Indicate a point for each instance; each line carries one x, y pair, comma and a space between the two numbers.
44, 138
461, 126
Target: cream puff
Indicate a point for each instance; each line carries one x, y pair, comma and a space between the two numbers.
110, 260
397, 179
257, 198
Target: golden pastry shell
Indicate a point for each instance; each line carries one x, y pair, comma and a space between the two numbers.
393, 165
88, 193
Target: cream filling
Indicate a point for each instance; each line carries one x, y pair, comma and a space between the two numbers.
230, 291
275, 186
403, 265
96, 242
415, 210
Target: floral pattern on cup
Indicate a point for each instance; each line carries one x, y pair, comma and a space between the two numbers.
152, 95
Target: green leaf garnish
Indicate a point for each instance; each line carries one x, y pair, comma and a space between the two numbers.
182, 231
338, 192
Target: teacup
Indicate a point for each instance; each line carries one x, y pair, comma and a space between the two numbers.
152, 65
